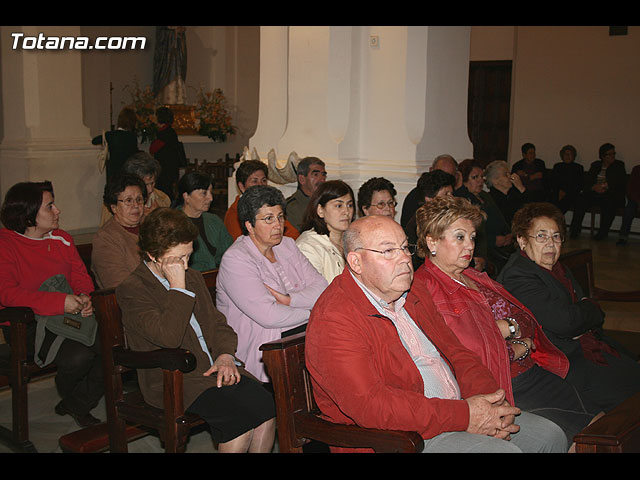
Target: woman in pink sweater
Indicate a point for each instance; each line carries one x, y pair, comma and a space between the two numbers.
265, 286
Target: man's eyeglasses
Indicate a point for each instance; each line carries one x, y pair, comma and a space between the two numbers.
391, 253
129, 202
544, 238
269, 219
390, 204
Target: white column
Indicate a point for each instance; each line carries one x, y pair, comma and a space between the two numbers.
44, 137
370, 101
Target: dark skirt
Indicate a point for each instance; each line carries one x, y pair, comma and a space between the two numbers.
606, 385
233, 410
543, 393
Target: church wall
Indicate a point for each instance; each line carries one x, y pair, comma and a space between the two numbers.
571, 85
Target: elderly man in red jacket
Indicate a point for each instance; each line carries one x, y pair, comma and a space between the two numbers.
381, 356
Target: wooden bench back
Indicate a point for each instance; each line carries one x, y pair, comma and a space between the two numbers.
298, 417
580, 263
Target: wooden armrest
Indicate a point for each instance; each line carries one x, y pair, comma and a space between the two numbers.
617, 431
611, 296
282, 343
164, 358
352, 436
17, 315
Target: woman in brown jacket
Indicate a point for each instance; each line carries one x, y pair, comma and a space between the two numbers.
115, 245
166, 305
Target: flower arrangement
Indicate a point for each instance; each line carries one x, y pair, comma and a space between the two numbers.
144, 103
212, 115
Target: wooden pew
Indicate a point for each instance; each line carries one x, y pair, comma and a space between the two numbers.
298, 417
95, 439
616, 432
619, 430
17, 369
580, 262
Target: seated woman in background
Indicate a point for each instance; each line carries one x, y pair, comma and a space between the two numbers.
600, 368
249, 174
490, 321
195, 194
604, 186
377, 196
32, 250
567, 178
506, 188
114, 254
265, 286
329, 213
147, 168
494, 236
165, 304
533, 173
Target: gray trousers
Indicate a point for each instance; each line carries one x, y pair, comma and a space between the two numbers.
536, 435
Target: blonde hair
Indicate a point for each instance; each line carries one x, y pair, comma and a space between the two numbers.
435, 216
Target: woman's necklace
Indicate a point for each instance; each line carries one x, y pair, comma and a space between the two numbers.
464, 282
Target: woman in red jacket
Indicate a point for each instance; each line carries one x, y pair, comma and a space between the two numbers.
32, 250
490, 321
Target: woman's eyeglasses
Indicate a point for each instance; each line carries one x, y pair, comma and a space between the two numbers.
390, 204
129, 202
269, 219
544, 238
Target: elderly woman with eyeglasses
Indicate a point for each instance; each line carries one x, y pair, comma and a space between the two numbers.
114, 254
600, 368
265, 286
377, 196
495, 240
490, 321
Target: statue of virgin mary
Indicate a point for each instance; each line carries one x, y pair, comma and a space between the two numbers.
170, 65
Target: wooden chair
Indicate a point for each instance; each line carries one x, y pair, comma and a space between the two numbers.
297, 415
172, 423
619, 430
17, 368
96, 438
580, 262
210, 277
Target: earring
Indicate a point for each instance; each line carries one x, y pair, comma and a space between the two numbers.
433, 253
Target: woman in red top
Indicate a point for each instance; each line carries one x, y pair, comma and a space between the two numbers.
490, 321
32, 250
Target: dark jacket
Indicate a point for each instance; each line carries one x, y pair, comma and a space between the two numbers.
122, 144
568, 177
550, 302
537, 188
169, 151
616, 179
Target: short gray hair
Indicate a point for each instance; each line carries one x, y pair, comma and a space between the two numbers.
492, 170
143, 165
351, 239
305, 165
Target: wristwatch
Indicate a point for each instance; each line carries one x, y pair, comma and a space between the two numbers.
514, 328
